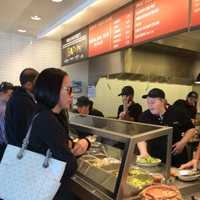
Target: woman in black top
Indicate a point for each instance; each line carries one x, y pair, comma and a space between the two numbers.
53, 93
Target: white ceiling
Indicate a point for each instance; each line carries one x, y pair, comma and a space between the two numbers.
15, 14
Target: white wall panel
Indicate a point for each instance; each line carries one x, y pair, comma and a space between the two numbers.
18, 52
107, 90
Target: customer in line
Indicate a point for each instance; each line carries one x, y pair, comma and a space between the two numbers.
158, 114
6, 90
53, 92
20, 108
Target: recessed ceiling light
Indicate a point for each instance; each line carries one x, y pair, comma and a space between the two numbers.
57, 1
21, 30
36, 18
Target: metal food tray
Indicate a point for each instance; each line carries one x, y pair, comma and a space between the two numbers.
105, 175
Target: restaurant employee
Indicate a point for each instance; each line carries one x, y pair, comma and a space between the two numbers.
129, 110
194, 162
189, 105
158, 114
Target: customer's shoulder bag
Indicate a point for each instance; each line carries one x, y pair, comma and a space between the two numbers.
26, 175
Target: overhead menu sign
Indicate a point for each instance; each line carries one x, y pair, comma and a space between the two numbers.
75, 47
111, 33
156, 18
122, 28
195, 20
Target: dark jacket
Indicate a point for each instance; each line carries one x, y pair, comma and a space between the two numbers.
95, 112
48, 133
19, 110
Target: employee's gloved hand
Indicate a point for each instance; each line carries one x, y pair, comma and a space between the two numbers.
80, 147
123, 115
191, 164
178, 147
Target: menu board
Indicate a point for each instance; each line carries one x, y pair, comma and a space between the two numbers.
75, 47
111, 33
195, 20
122, 28
155, 18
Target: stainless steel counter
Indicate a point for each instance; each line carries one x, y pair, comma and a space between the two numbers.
123, 136
188, 188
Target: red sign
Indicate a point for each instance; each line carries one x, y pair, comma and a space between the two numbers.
112, 33
195, 13
122, 28
99, 37
154, 18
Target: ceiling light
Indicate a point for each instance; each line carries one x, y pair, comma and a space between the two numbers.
57, 1
36, 18
21, 30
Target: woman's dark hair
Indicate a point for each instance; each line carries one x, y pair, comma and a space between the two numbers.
48, 85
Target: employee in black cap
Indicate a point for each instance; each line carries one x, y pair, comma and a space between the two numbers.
189, 106
158, 114
85, 107
129, 110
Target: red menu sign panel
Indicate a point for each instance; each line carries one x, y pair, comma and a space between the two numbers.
122, 28
112, 33
195, 13
154, 18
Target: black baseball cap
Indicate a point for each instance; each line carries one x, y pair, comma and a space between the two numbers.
155, 93
4, 86
127, 91
83, 101
193, 94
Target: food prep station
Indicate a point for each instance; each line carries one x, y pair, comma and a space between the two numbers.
110, 169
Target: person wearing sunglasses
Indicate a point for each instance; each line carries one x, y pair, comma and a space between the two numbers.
53, 94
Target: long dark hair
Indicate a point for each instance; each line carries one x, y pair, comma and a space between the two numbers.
48, 85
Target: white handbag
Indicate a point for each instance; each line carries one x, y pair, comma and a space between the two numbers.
26, 175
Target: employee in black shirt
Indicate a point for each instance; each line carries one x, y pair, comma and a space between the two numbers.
93, 111
129, 110
85, 107
194, 162
189, 106
158, 114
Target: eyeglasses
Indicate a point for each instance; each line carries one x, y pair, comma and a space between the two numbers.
68, 90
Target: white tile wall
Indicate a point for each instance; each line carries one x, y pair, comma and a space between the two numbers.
107, 90
18, 52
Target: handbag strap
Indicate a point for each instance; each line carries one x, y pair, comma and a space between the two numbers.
26, 143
